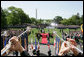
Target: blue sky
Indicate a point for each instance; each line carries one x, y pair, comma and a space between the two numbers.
47, 9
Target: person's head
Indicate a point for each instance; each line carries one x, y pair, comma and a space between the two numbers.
34, 52
65, 34
43, 31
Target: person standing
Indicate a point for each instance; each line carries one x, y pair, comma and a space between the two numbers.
26, 39
38, 35
22, 41
44, 38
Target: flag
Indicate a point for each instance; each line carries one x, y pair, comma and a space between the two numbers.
31, 43
25, 43
57, 49
62, 36
5, 42
35, 44
38, 45
48, 44
20, 39
57, 45
82, 27
54, 42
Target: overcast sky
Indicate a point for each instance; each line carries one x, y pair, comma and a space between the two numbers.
47, 9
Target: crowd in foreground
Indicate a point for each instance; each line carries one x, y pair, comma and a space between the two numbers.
16, 46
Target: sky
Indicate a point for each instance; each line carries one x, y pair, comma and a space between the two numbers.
47, 9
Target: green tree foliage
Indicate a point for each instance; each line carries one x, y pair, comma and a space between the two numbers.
17, 16
3, 19
14, 16
64, 21
49, 21
36, 21
39, 21
33, 20
74, 20
57, 19
81, 20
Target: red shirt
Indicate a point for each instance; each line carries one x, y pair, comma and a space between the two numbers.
44, 38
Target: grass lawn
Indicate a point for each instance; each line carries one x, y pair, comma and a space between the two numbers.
33, 36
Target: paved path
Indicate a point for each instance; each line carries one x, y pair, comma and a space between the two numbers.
43, 50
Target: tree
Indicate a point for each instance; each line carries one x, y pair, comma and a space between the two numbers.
3, 19
48, 21
64, 22
24, 18
41, 20
33, 20
57, 19
17, 16
38, 21
12, 18
81, 20
74, 20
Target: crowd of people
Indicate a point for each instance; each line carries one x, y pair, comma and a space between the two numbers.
18, 47
10, 33
76, 35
